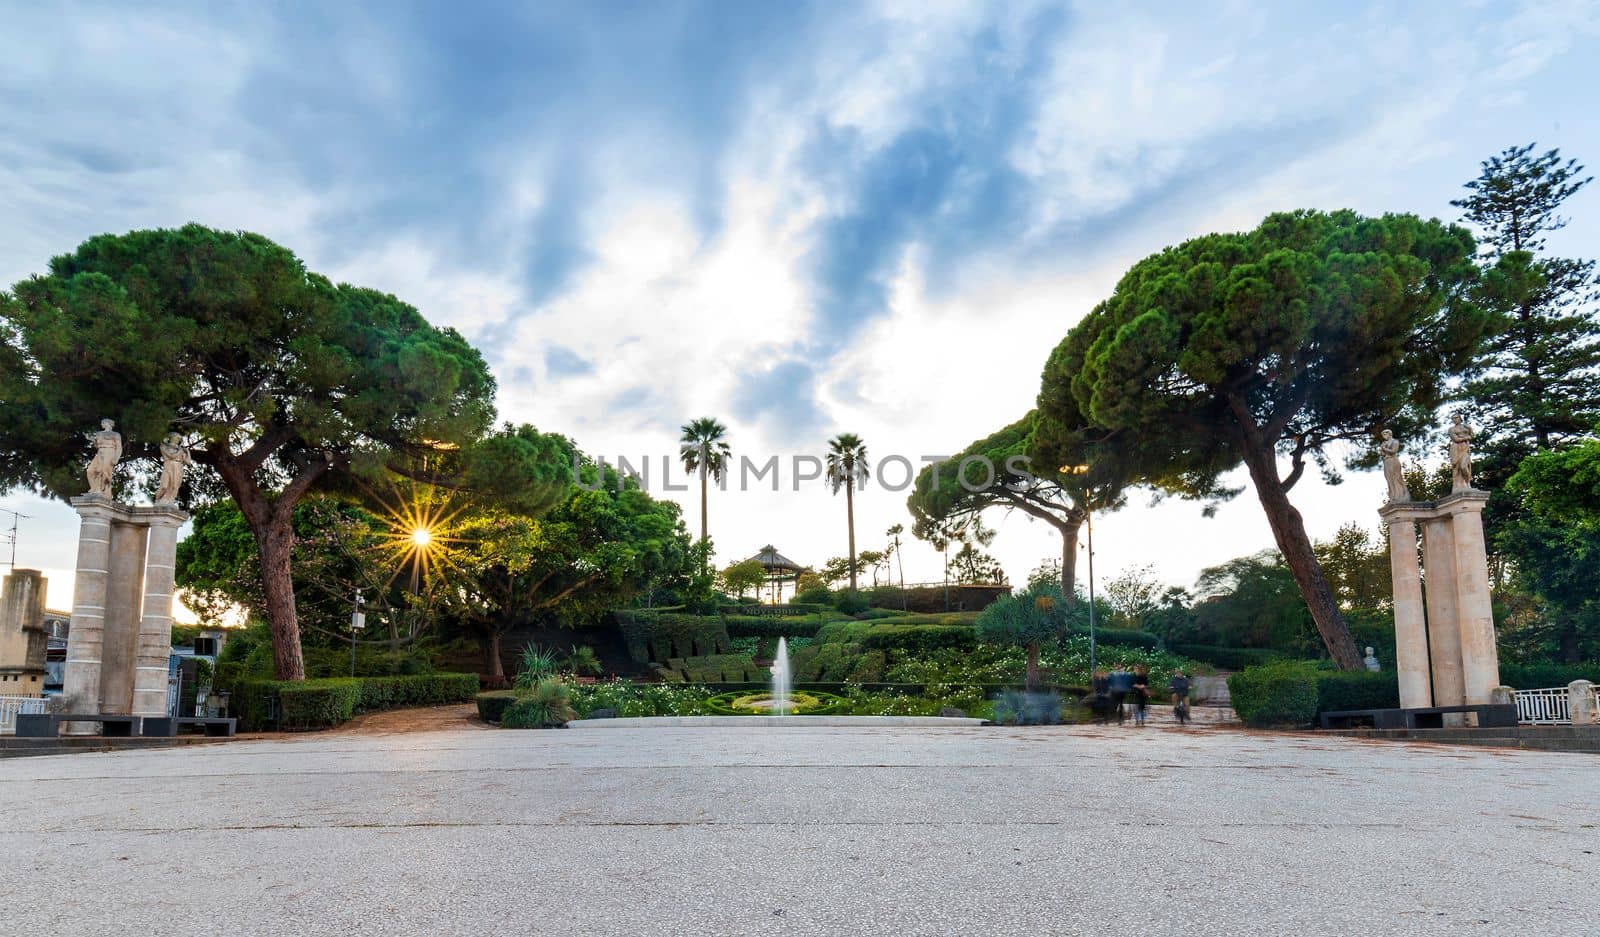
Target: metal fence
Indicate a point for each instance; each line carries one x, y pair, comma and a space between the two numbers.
10, 706
1547, 707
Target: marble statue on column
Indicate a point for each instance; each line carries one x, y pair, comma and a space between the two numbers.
1460, 455
1392, 472
102, 469
175, 459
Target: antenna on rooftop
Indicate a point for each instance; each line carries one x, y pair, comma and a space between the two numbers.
11, 535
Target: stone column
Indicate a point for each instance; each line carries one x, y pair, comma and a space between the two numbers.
1480, 660
155, 625
1444, 634
85, 641
1581, 703
22, 633
124, 605
1410, 624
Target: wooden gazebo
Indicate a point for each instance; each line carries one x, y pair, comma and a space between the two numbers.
780, 569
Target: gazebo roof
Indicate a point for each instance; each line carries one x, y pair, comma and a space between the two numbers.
776, 562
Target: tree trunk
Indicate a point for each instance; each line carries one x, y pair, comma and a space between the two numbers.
1033, 665
850, 514
1567, 642
1069, 561
276, 546
703, 528
491, 655
1289, 530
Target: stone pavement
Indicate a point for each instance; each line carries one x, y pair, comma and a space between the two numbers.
903, 831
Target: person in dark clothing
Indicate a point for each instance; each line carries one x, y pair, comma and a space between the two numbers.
1141, 692
1180, 696
1100, 696
1120, 685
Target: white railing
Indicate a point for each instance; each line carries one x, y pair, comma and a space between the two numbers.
10, 706
1547, 707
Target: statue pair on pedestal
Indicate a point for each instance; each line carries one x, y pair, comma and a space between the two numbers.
1460, 461
121, 632
1445, 650
102, 467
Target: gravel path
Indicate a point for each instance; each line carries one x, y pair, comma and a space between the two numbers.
457, 830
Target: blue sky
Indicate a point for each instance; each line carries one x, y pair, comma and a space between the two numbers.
802, 219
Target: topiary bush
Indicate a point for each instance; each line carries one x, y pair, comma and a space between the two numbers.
317, 704
1281, 693
655, 636
492, 705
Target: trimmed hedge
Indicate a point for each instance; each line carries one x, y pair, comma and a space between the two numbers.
750, 626
1542, 676
1228, 658
1356, 689
492, 705
1123, 637
324, 703
656, 636
1283, 693
1296, 692
919, 638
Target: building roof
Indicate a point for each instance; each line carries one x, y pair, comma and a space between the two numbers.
776, 562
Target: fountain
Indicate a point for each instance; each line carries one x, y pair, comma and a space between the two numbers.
780, 679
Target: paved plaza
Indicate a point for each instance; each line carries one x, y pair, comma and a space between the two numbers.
464, 830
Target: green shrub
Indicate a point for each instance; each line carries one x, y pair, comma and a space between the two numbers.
851, 603
1543, 676
321, 703
1282, 693
868, 668
1228, 658
654, 636
640, 699
547, 705
1339, 690
536, 663
816, 595
431, 689
846, 631
493, 704
915, 639
887, 597
761, 626
317, 704
1123, 637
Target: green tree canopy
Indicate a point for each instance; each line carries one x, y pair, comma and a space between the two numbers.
738, 579
1316, 328
1534, 384
1026, 619
593, 552
278, 379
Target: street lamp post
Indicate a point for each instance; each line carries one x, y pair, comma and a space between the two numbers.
358, 622
1089, 518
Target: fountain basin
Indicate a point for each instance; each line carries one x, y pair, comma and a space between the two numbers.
799, 703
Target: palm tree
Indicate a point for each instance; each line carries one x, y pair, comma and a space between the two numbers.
704, 449
847, 469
